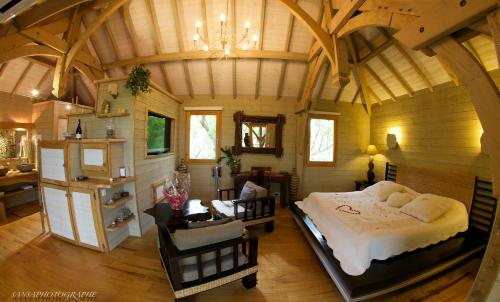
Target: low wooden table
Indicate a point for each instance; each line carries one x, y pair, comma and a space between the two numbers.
193, 211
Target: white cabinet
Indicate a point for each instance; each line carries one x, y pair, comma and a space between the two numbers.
53, 163
58, 211
86, 216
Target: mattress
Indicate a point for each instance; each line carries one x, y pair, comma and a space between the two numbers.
360, 229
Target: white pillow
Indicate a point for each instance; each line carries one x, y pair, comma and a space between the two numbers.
427, 207
382, 189
260, 192
410, 191
398, 199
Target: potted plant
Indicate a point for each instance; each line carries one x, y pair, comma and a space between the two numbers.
138, 80
232, 160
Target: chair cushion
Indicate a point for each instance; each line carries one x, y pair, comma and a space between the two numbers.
260, 192
193, 238
204, 224
226, 207
248, 193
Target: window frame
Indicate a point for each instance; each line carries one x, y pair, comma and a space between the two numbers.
309, 163
172, 135
218, 124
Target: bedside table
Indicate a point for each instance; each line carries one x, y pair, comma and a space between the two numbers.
362, 184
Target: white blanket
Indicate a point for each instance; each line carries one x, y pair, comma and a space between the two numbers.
358, 228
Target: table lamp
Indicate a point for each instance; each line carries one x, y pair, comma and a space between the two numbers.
371, 151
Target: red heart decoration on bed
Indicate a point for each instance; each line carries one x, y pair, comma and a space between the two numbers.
347, 209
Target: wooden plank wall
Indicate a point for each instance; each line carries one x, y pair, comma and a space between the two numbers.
15, 108
438, 130
353, 137
203, 185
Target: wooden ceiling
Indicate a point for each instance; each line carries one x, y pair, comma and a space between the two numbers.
159, 34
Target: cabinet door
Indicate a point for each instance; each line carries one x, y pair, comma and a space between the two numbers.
58, 211
53, 164
94, 158
86, 217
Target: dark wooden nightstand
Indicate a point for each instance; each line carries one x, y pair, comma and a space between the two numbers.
362, 184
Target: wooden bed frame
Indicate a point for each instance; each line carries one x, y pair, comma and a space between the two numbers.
411, 267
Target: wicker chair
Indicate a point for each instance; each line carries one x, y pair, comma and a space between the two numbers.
194, 269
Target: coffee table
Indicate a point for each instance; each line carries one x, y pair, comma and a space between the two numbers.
193, 211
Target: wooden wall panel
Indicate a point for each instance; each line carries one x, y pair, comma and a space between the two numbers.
15, 108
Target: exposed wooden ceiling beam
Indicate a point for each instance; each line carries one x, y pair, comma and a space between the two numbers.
180, 41
288, 39
358, 77
355, 95
449, 71
44, 11
261, 43
3, 68
380, 82
473, 51
409, 59
323, 81
21, 78
205, 34
343, 15
129, 24
92, 43
375, 52
157, 42
459, 14
303, 82
86, 89
43, 79
372, 93
338, 95
114, 44
494, 25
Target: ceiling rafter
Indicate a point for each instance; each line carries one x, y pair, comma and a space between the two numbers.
129, 25
156, 40
92, 43
473, 51
448, 70
180, 41
338, 95
86, 89
355, 97
288, 39
359, 77
114, 44
380, 82
21, 78
205, 34
261, 43
344, 13
43, 79
323, 81
3, 68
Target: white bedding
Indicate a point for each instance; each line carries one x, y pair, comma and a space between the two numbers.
358, 228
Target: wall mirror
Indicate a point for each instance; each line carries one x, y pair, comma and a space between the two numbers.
258, 134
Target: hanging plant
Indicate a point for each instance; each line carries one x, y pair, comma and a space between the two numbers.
138, 80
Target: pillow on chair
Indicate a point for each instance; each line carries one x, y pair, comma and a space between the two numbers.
260, 192
192, 238
248, 192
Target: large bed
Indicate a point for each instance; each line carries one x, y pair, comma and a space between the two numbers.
370, 249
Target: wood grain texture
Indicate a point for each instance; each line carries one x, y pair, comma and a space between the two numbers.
136, 264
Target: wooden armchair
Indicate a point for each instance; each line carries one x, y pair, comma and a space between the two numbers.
205, 267
251, 212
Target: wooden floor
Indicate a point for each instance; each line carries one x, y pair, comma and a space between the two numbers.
288, 269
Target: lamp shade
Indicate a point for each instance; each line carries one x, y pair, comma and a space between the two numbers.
371, 150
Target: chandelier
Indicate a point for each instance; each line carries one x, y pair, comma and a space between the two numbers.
223, 38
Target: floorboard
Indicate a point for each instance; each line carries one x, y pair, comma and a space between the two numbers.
288, 269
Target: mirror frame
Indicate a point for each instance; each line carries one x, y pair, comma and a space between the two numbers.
239, 118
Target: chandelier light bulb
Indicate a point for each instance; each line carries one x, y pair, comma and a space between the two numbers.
255, 38
247, 24
198, 24
34, 92
222, 18
196, 37
205, 47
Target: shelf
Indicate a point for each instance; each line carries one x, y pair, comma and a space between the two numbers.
95, 183
16, 192
118, 202
112, 114
96, 140
120, 225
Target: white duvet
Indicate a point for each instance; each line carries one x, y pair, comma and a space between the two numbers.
358, 228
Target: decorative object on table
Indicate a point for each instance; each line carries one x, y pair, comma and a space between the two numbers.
3, 170
294, 185
246, 140
176, 190
122, 111
124, 194
68, 135
126, 213
371, 151
25, 167
113, 90
182, 167
123, 172
110, 131
117, 195
392, 141
138, 80
232, 160
78, 132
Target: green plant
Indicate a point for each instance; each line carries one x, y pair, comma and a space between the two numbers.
138, 80
231, 159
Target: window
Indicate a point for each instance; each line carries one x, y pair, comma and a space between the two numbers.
159, 130
321, 140
202, 136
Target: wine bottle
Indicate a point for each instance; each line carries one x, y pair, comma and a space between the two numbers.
79, 131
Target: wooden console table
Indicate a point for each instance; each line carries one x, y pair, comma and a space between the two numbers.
282, 178
13, 178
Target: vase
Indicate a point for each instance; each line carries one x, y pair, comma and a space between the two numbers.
235, 168
182, 167
246, 140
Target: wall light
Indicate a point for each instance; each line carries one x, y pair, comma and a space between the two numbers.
68, 106
34, 92
393, 137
